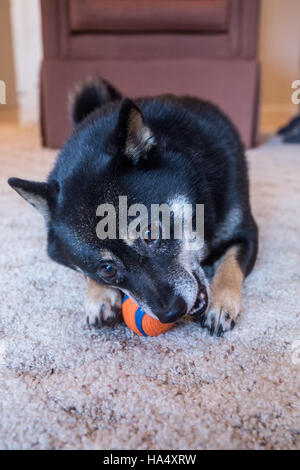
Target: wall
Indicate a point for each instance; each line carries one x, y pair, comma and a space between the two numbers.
7, 68
279, 50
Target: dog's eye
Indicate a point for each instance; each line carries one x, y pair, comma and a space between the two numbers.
107, 270
151, 235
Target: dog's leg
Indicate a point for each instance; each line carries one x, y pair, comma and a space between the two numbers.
225, 295
226, 285
102, 304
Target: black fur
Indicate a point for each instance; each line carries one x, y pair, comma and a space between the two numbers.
90, 95
196, 153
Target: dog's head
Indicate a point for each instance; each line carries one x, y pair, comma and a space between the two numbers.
111, 154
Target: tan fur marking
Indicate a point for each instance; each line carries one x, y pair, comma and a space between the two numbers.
129, 241
226, 285
101, 302
106, 254
139, 136
225, 295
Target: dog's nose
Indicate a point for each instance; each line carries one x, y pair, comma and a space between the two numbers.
177, 310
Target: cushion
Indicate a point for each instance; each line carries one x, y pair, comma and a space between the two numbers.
148, 15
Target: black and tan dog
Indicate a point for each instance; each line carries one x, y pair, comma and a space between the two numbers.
154, 150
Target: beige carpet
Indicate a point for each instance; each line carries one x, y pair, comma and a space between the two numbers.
63, 386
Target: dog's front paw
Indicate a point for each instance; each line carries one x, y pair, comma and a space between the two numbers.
222, 313
102, 306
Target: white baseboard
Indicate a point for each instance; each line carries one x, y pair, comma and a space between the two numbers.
26, 30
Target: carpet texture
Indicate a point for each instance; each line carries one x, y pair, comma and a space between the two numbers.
64, 386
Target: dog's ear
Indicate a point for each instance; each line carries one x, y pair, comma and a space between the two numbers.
39, 195
89, 95
132, 136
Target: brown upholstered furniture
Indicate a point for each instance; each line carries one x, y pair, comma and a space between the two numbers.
206, 48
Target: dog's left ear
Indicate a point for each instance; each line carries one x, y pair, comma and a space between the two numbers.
133, 137
38, 194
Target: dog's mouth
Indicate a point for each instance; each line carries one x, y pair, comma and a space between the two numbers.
201, 302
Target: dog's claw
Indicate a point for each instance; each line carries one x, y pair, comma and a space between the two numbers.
98, 322
220, 331
218, 321
110, 321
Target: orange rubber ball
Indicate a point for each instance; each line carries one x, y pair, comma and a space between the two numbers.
140, 322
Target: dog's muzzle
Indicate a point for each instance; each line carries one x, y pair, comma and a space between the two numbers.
174, 313
201, 302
